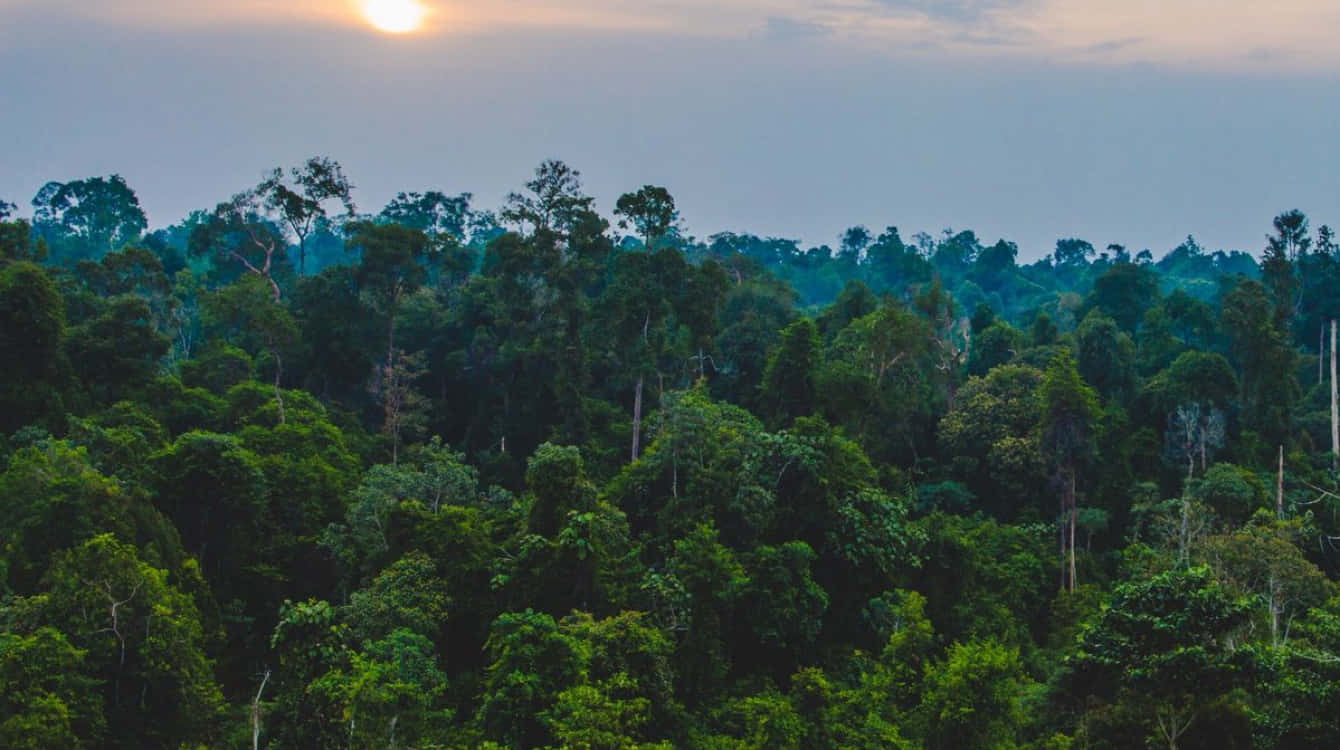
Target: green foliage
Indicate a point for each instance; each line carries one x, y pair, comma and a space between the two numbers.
788, 382
974, 697
49, 701
32, 329
723, 494
1165, 648
142, 639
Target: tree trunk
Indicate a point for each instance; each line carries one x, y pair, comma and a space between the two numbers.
1068, 522
637, 417
1279, 487
1074, 515
637, 396
1335, 408
279, 394
1061, 527
256, 714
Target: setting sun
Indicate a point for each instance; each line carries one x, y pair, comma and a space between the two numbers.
395, 16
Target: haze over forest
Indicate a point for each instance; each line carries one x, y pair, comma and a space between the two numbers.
1027, 121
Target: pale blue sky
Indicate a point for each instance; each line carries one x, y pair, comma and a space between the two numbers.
1131, 122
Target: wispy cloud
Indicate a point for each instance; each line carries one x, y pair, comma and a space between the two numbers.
958, 11
781, 27
1112, 45
1202, 34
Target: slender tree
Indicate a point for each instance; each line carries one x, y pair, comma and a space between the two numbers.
300, 197
1069, 413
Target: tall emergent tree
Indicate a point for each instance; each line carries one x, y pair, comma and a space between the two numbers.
651, 213
87, 218
1069, 413
301, 197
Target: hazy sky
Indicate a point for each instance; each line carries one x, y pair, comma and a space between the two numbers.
1131, 121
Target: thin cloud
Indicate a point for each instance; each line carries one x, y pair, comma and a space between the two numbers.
780, 27
958, 11
1112, 45
1187, 34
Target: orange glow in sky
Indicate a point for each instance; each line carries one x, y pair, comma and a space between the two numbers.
394, 16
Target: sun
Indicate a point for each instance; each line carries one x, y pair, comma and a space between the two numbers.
395, 16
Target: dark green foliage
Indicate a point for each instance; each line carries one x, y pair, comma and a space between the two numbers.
788, 382
85, 219
32, 330
561, 487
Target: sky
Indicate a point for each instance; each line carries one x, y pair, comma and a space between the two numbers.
1134, 121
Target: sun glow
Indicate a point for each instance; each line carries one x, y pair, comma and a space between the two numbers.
395, 16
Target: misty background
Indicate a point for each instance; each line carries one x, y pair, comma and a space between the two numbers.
784, 130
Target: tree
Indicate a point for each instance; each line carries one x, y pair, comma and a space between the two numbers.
215, 492
47, 698
1069, 412
1195, 432
1262, 560
788, 382
1123, 292
18, 244
885, 342
554, 203
1106, 357
404, 409
434, 213
301, 197
993, 438
407, 595
388, 694
143, 639
651, 212
86, 218
531, 663
1164, 647
1265, 360
245, 313
32, 332
972, 698
53, 498
1284, 250
1072, 253
391, 267
586, 717
238, 232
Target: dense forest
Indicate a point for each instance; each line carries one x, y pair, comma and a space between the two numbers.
288, 474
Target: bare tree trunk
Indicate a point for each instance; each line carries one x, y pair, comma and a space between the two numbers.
279, 374
256, 714
1068, 518
637, 397
1335, 408
637, 417
1184, 532
1074, 515
1274, 606
1279, 487
1061, 527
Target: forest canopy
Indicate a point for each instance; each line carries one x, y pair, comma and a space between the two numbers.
290, 473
